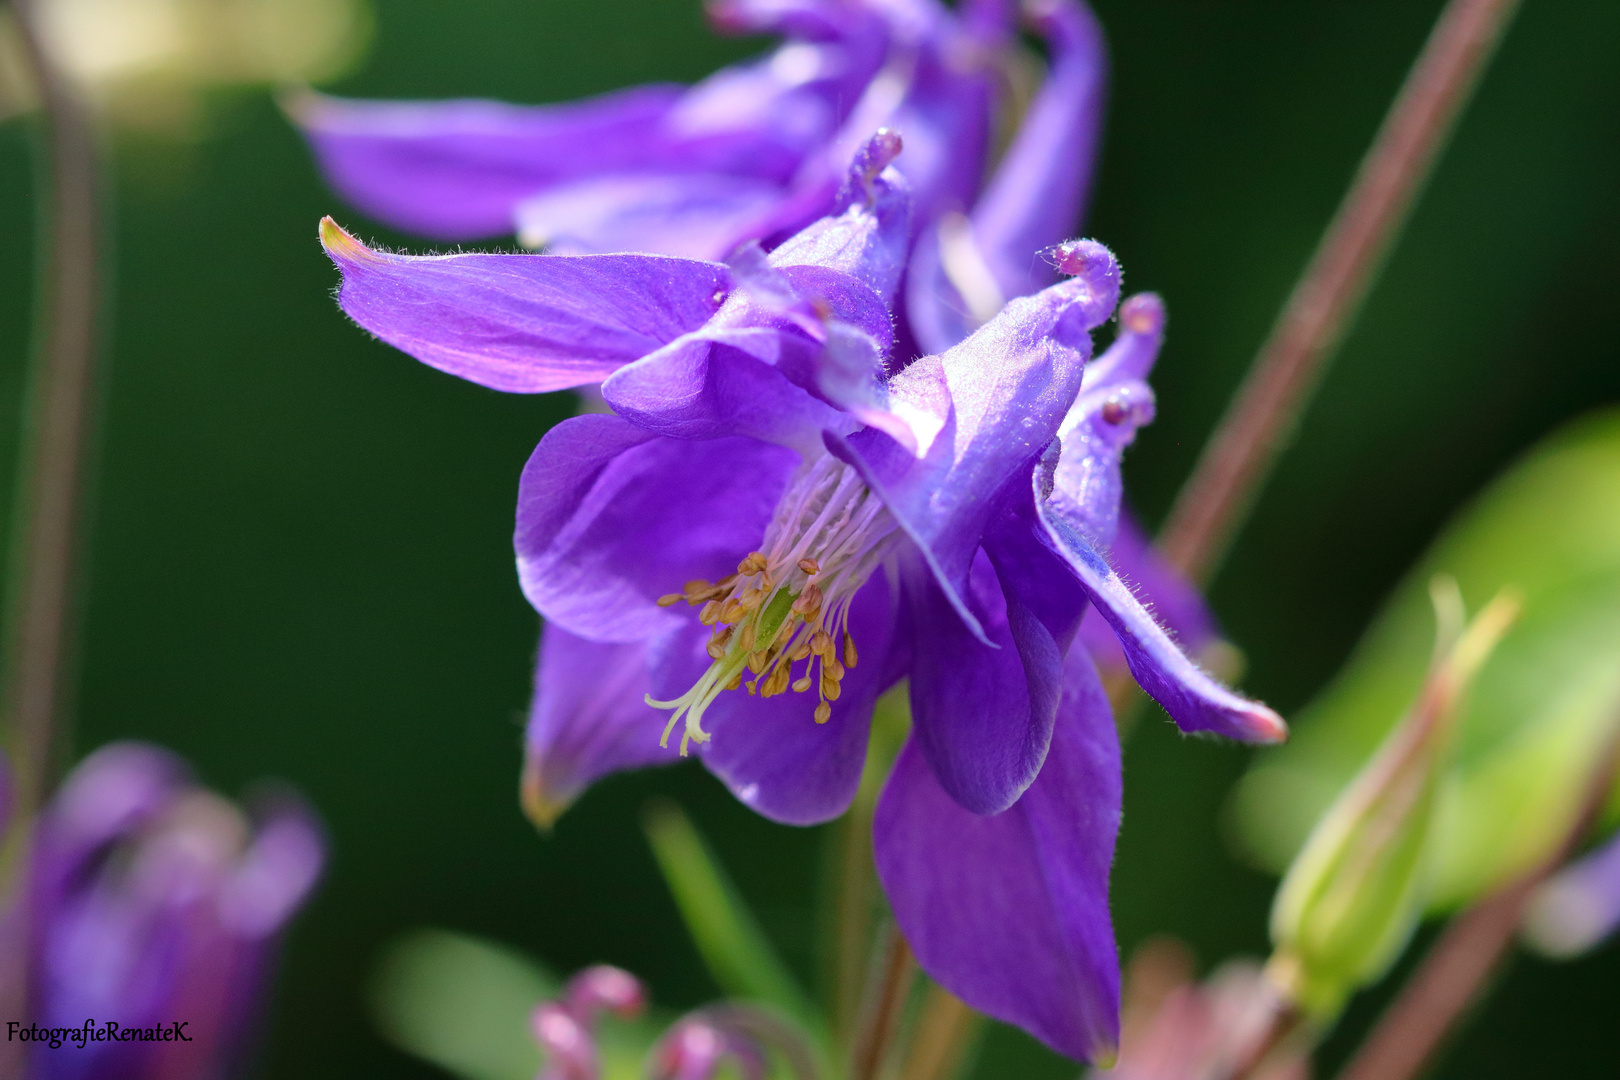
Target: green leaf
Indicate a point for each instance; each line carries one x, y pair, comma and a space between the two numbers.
1542, 707
463, 1003
726, 935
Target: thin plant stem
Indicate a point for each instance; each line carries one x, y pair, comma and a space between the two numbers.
40, 616
887, 993
1459, 965
852, 936
945, 1031
1260, 421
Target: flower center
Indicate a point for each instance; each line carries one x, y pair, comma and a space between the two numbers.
788, 603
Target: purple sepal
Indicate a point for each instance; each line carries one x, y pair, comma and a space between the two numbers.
524, 323
589, 718
610, 518
453, 170
1009, 912
1194, 700
1173, 600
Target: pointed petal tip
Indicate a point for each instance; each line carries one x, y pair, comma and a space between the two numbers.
341, 245
540, 806
1264, 726
1103, 1055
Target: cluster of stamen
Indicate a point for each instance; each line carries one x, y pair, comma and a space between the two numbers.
788, 604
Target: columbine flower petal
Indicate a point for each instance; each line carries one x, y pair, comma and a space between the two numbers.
589, 719
453, 170
611, 518
1194, 700
1010, 912
524, 323
966, 267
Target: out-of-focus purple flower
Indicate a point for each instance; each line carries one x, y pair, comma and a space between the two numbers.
696, 1047
156, 903
757, 150
566, 1028
776, 499
1578, 907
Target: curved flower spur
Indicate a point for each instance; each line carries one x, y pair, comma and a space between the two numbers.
778, 522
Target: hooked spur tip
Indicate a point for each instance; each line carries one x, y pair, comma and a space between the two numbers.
1083, 259
871, 159
1142, 314
341, 245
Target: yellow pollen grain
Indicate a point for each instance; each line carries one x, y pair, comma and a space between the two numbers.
810, 566
850, 656
823, 713
800, 685
710, 613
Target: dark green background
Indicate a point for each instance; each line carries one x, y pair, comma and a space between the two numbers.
301, 563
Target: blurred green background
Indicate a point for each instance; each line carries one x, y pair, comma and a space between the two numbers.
301, 562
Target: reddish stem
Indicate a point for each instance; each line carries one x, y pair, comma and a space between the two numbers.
1260, 421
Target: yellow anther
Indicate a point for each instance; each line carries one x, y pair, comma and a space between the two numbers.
671, 599
850, 655
799, 651
756, 661
754, 564
800, 685
731, 611
746, 637
750, 598
778, 682
736, 681
829, 687
810, 566
710, 613
697, 585
832, 669
808, 603
823, 713
821, 644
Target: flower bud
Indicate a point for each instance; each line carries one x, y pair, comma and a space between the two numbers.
1356, 891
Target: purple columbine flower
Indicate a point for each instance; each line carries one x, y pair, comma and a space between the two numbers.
780, 519
158, 905
757, 151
